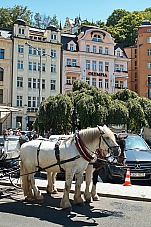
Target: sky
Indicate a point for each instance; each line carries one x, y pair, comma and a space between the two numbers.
92, 10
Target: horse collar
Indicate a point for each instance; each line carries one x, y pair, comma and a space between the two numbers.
82, 149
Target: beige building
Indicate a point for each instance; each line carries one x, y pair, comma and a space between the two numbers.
92, 56
36, 70
5, 77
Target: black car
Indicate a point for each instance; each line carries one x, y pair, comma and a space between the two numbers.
138, 159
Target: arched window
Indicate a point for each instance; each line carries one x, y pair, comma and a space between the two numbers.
97, 38
1, 74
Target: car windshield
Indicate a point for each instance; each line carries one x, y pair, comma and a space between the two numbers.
133, 142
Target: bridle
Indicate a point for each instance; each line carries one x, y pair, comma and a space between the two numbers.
110, 148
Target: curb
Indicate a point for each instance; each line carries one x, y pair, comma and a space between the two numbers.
109, 195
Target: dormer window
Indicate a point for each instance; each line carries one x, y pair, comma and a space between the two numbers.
97, 38
21, 31
118, 53
71, 47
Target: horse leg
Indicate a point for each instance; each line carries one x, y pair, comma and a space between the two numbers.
79, 181
88, 178
51, 177
37, 194
65, 203
95, 180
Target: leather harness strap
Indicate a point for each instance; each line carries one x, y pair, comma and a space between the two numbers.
57, 154
81, 148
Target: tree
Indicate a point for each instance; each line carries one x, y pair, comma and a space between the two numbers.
43, 21
114, 18
9, 15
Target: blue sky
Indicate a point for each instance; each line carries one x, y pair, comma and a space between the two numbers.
87, 9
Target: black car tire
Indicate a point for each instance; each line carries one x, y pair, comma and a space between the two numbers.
104, 174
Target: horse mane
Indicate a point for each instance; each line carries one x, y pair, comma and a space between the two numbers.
89, 134
108, 132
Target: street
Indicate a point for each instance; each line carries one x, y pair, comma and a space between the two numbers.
15, 211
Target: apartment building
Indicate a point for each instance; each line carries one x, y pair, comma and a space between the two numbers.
139, 68
92, 56
5, 76
36, 70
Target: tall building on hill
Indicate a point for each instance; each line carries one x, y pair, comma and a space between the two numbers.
92, 56
139, 68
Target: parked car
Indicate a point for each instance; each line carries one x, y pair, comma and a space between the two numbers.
138, 159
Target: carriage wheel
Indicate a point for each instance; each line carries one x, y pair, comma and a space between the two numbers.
14, 178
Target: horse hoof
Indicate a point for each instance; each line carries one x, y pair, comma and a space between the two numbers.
96, 198
29, 199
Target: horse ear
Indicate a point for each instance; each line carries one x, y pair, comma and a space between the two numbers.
100, 129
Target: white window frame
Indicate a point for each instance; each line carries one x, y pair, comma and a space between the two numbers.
52, 84
19, 81
87, 64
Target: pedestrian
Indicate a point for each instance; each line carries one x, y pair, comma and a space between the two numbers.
35, 136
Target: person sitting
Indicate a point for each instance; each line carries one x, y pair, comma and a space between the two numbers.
35, 136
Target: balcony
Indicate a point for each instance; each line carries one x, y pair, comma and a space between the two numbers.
70, 68
121, 74
32, 109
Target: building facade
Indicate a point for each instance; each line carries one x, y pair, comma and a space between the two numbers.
36, 70
139, 68
5, 76
92, 56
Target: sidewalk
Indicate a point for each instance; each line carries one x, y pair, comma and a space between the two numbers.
134, 192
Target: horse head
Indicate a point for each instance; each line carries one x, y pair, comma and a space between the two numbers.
108, 144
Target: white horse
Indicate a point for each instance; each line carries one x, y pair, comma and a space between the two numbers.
72, 155
110, 140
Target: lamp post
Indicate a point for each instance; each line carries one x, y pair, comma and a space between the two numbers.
40, 54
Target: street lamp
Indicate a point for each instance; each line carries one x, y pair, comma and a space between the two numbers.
40, 54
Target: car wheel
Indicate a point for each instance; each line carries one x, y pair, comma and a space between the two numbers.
104, 174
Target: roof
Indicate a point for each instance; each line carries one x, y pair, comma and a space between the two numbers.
8, 109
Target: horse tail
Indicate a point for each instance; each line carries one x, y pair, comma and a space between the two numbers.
24, 179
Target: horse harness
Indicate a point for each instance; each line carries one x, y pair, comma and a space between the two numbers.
57, 154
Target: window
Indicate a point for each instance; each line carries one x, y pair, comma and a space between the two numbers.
106, 50
53, 36
149, 93
94, 82
34, 101
34, 51
73, 79
116, 83
87, 48
87, 64
93, 65
34, 83
106, 66
68, 80
149, 80
121, 68
29, 65
149, 65
1, 95
34, 66
100, 50
71, 47
19, 100
106, 83
68, 61
30, 50
88, 80
100, 66
74, 62
29, 82
20, 64
43, 84
97, 38
19, 82
116, 67
148, 39
94, 49
52, 84
38, 83
43, 67
121, 84
29, 101
21, 31
1, 53
53, 68
43, 52
118, 53
149, 52
53, 53
20, 49
100, 83
1, 74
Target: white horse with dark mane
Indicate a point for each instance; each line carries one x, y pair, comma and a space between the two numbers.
72, 155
